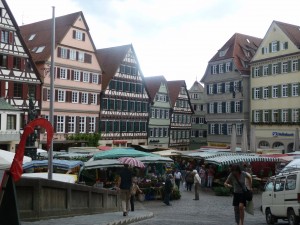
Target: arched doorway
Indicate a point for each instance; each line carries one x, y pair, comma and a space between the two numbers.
278, 145
290, 147
264, 144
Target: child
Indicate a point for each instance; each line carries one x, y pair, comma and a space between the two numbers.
134, 190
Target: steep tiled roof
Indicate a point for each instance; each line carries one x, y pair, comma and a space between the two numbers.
6, 106
292, 31
110, 60
174, 90
198, 85
43, 32
241, 48
153, 85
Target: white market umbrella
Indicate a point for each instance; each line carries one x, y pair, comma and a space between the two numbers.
244, 146
233, 139
252, 140
7, 157
296, 140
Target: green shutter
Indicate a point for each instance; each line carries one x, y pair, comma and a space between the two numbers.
278, 45
270, 92
299, 90
290, 115
279, 91
270, 69
289, 90
280, 115
261, 113
252, 93
231, 66
270, 47
241, 106
261, 68
262, 50
270, 115
279, 67
252, 116
261, 89
298, 64
289, 66
232, 107
252, 71
286, 45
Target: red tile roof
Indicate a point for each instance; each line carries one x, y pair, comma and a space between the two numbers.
43, 31
241, 48
174, 88
110, 59
292, 31
153, 85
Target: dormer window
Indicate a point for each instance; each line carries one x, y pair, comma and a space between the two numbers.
274, 46
222, 53
78, 35
31, 37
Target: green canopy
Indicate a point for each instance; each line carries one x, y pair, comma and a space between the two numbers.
119, 153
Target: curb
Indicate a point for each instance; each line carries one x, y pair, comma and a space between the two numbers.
129, 220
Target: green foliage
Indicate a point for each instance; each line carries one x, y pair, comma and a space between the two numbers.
222, 191
92, 139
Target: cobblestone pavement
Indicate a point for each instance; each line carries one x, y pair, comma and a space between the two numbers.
210, 210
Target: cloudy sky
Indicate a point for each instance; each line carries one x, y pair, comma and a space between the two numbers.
175, 38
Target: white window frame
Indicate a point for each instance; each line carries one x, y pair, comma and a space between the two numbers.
82, 124
94, 99
210, 89
266, 93
237, 106
220, 128
95, 78
84, 98
265, 113
48, 94
266, 71
61, 95
77, 75
295, 65
219, 108
256, 116
229, 129
256, 93
275, 68
274, 46
275, 91
75, 96
295, 90
63, 73
275, 112
80, 56
256, 71
285, 115
219, 88
60, 124
228, 107
86, 77
295, 115
239, 129
73, 54
92, 125
72, 124
211, 108
64, 53
212, 128
284, 91
227, 67
221, 68
78, 35
214, 69
227, 87
284, 67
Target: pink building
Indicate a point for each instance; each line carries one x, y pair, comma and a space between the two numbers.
77, 75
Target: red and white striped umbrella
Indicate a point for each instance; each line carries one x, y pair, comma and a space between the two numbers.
133, 162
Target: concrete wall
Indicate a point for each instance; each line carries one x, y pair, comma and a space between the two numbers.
41, 199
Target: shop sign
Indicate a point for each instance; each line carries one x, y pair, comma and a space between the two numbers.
282, 134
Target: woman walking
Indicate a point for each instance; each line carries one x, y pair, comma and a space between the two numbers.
237, 180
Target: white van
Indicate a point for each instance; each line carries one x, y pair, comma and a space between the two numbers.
281, 198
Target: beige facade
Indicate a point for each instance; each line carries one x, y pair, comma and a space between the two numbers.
275, 88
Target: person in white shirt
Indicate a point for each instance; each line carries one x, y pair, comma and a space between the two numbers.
197, 182
178, 178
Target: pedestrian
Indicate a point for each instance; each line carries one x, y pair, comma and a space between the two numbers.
237, 180
178, 178
203, 176
189, 180
210, 176
135, 189
124, 185
168, 189
197, 183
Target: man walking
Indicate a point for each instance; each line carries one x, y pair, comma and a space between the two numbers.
197, 182
178, 178
168, 189
124, 184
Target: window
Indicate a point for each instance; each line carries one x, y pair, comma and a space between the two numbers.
211, 108
71, 124
3, 61
75, 96
239, 129
295, 65
275, 91
275, 116
84, 98
295, 115
210, 89
274, 46
40, 49
201, 120
284, 67
275, 68
237, 106
266, 116
228, 107
151, 132
256, 93
48, 94
32, 91
212, 128
219, 88
156, 132
31, 37
221, 68
285, 115
266, 50
266, 92
82, 125
11, 122
63, 73
295, 89
227, 87
284, 90
92, 124
78, 35
94, 99
256, 116
266, 70
17, 63
167, 114
279, 184
227, 68
18, 90
61, 96
4, 36
60, 124
72, 54
95, 78
229, 129
270, 186
81, 56
86, 77
76, 75
220, 128
291, 182
195, 96
152, 113
219, 107
256, 71
214, 69
64, 53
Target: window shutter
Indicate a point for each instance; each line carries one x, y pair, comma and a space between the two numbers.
261, 112
217, 68
209, 128
270, 47
261, 92
252, 118
98, 99
289, 66
223, 107
97, 125
66, 124
87, 58
10, 61
215, 88
91, 78
215, 107
298, 64
58, 73
10, 89
279, 91
90, 98
280, 115
279, 67
55, 124
80, 97
286, 45
223, 87
231, 66
252, 71
25, 91
270, 69
87, 130
290, 115
278, 45
74, 34
216, 128
252, 93
270, 92
231, 87
56, 95
99, 79
11, 37
207, 89
299, 92
262, 50
59, 52
232, 107
77, 55
81, 76
72, 74
211, 69
208, 108
44, 94
261, 70
68, 54
77, 124
68, 74
241, 106
289, 90
83, 36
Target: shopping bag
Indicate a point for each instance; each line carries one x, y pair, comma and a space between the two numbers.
250, 208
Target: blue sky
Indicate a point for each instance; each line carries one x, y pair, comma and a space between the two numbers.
174, 38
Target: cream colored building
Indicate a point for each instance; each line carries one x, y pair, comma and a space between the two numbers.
275, 87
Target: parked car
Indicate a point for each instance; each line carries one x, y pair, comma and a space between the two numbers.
281, 198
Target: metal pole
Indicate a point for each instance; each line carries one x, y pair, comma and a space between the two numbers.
51, 114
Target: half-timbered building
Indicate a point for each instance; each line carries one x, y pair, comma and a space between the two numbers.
159, 118
19, 80
77, 75
124, 99
181, 113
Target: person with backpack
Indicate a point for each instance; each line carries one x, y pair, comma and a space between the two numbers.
189, 179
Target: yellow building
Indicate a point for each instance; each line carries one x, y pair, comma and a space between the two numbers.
275, 87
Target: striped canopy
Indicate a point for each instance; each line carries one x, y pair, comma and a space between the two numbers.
206, 155
117, 153
133, 162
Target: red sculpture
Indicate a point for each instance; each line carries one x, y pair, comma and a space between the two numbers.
16, 168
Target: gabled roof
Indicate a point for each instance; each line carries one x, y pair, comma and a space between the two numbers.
174, 88
43, 31
153, 85
6, 106
198, 85
110, 59
292, 31
241, 48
